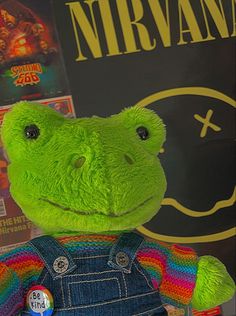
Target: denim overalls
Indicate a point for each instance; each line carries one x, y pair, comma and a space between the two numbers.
99, 282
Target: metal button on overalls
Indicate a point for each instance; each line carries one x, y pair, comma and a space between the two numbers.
122, 259
61, 264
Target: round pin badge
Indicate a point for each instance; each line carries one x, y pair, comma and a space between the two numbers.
39, 301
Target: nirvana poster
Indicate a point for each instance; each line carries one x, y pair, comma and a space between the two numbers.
176, 57
30, 63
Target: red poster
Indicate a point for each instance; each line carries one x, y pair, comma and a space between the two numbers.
15, 228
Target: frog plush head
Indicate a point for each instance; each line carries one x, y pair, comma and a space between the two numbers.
86, 174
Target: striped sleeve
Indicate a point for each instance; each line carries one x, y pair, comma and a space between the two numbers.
172, 269
179, 279
153, 256
11, 292
19, 270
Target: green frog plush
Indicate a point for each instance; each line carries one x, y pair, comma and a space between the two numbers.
88, 183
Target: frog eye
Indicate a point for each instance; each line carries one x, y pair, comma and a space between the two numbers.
142, 132
32, 131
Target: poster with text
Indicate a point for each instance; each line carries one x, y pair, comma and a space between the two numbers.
31, 66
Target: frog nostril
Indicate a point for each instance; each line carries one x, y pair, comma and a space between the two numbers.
129, 159
79, 162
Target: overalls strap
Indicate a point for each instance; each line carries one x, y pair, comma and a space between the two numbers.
57, 259
124, 251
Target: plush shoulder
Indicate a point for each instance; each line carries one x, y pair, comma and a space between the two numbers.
172, 268
25, 262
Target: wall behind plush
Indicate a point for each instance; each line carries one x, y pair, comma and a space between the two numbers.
176, 57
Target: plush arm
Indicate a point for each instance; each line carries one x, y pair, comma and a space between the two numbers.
11, 292
179, 277
19, 270
214, 285
172, 269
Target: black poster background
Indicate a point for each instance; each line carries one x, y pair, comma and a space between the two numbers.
200, 170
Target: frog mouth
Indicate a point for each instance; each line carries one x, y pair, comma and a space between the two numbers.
96, 212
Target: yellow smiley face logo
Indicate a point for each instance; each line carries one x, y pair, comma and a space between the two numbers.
205, 123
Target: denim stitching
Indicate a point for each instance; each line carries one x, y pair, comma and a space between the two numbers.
99, 280
64, 273
46, 273
138, 249
62, 294
68, 287
126, 291
150, 310
141, 272
109, 302
90, 273
101, 256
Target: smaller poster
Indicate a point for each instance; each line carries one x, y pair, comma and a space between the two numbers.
174, 311
15, 228
216, 311
31, 65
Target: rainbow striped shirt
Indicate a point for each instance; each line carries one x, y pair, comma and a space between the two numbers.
172, 269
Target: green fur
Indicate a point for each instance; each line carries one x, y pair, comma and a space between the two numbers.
98, 169
95, 175
214, 285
